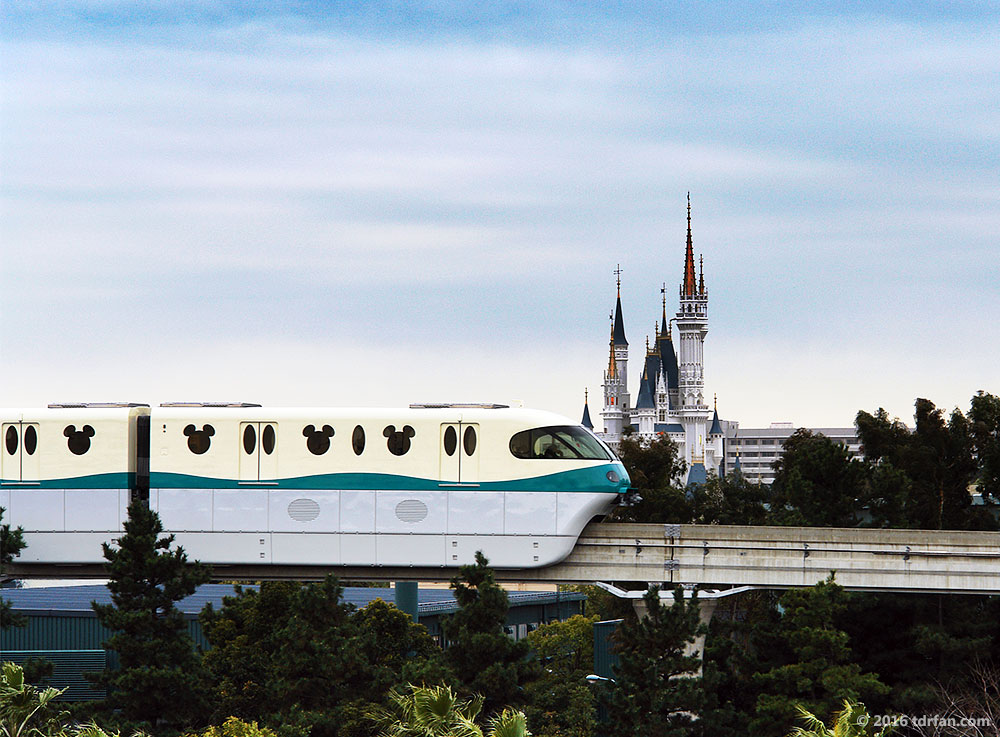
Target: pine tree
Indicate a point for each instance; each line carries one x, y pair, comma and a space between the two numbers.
11, 545
813, 665
159, 680
484, 659
296, 656
656, 691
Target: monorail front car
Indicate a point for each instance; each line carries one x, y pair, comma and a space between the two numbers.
423, 486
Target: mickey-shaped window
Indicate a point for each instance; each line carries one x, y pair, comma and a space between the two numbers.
317, 441
78, 440
398, 440
199, 441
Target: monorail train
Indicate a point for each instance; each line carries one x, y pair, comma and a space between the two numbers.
424, 486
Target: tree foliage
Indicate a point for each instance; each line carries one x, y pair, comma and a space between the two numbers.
293, 654
437, 711
816, 483
235, 727
853, 720
655, 468
933, 467
283, 655
11, 545
729, 500
985, 417
656, 691
160, 679
483, 658
25, 709
812, 662
560, 701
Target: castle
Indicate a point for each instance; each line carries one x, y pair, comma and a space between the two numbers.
671, 397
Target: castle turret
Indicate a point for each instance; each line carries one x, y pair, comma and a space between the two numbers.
668, 359
620, 344
616, 397
613, 389
645, 408
692, 327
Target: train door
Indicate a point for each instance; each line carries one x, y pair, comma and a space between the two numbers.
19, 457
469, 468
460, 452
450, 456
258, 451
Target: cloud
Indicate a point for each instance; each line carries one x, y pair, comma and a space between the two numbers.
325, 180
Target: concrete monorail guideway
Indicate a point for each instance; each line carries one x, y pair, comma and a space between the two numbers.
710, 556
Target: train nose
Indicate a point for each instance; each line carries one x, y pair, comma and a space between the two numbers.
618, 476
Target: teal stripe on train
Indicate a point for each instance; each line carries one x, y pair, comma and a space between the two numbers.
122, 480
592, 479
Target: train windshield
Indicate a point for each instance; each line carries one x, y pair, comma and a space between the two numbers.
560, 441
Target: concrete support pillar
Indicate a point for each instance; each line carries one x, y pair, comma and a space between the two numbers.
706, 608
407, 597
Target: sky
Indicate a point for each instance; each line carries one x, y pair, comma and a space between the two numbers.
372, 204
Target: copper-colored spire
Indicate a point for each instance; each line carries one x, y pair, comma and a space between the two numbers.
701, 275
612, 368
688, 288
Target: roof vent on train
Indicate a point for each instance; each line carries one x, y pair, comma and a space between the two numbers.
209, 404
94, 405
459, 405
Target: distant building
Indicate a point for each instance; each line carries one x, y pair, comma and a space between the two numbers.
754, 450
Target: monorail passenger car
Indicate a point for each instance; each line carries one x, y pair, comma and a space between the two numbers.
424, 486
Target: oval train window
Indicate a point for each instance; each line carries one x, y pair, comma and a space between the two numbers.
249, 439
469, 440
10, 440
267, 439
358, 440
30, 439
450, 440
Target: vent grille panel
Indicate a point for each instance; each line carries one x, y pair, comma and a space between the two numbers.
303, 510
411, 510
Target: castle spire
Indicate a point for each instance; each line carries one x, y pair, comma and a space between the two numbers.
618, 334
689, 285
701, 275
586, 421
666, 323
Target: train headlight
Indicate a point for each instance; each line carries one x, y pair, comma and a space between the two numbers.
613, 477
